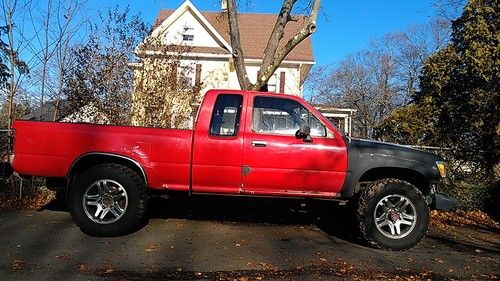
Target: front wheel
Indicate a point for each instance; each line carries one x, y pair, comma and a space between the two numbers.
107, 200
392, 214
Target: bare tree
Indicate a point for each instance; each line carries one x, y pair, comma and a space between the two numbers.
54, 25
273, 54
41, 32
381, 78
46, 51
449, 9
318, 88
101, 75
67, 25
165, 94
411, 48
16, 66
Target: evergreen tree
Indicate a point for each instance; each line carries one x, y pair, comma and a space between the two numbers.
459, 103
462, 82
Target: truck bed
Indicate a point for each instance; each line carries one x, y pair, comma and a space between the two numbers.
49, 149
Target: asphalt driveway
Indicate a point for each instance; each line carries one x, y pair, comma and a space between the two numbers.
213, 238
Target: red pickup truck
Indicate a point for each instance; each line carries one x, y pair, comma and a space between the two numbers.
243, 143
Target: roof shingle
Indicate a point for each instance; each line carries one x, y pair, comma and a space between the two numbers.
255, 30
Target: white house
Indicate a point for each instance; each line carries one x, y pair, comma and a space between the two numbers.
209, 58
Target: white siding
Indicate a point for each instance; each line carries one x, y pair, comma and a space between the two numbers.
217, 71
216, 74
187, 23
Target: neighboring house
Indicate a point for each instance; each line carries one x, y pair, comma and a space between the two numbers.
61, 111
58, 108
209, 58
340, 117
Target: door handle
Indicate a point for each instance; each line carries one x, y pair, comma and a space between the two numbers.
259, 143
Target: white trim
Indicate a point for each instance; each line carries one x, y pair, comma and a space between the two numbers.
285, 61
208, 55
187, 54
135, 64
187, 5
348, 110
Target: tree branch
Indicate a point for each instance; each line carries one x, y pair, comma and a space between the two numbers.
238, 56
276, 35
276, 58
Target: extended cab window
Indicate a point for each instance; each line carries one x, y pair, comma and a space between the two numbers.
283, 116
226, 115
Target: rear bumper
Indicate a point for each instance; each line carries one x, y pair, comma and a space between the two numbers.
443, 202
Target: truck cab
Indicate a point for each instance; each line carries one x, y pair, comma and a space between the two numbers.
252, 139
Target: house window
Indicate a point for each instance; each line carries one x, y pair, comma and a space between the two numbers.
271, 84
188, 37
185, 76
187, 33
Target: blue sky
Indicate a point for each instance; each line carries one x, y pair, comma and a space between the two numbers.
345, 26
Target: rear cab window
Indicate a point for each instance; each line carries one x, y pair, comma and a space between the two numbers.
225, 121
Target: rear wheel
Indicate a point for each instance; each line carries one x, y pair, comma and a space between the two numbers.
108, 200
392, 214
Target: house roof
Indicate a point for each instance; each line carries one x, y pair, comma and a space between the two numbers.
255, 30
49, 108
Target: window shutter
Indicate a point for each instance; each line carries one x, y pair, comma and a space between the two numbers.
282, 81
197, 77
173, 75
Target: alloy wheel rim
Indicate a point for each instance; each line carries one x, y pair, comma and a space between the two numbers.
105, 201
395, 216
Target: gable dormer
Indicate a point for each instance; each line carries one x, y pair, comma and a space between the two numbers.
187, 26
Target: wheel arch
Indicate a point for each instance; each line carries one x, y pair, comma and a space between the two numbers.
94, 158
409, 175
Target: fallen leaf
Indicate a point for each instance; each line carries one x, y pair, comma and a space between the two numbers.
63, 257
17, 264
438, 260
266, 266
82, 267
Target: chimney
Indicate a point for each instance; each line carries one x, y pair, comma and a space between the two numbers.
223, 5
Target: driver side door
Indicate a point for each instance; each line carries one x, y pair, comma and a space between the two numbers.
276, 162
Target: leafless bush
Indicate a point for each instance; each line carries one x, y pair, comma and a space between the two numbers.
164, 92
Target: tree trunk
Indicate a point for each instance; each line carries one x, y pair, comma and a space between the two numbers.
46, 56
274, 39
273, 55
238, 56
10, 100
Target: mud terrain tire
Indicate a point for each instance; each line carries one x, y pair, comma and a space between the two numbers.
392, 214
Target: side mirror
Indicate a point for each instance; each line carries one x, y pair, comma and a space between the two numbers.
304, 132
